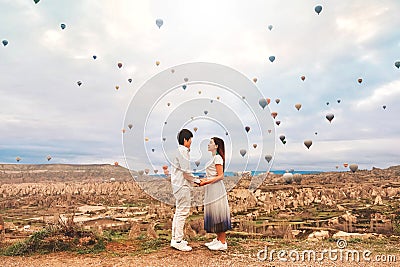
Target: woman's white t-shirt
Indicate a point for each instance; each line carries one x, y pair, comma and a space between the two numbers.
211, 170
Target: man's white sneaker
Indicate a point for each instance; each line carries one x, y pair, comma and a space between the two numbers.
211, 243
174, 242
219, 246
182, 246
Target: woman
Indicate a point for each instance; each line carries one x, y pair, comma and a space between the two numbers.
216, 209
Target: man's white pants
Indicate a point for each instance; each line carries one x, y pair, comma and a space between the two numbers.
183, 201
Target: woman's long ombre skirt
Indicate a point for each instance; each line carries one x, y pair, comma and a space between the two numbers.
217, 217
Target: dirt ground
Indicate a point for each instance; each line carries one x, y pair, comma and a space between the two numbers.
239, 253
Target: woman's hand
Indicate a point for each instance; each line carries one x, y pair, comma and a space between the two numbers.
203, 182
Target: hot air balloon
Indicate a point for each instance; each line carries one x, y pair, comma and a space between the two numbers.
247, 128
197, 162
282, 137
165, 167
186, 80
36, 1
397, 64
255, 145
155, 171
274, 114
205, 112
255, 80
116, 163
330, 117
152, 150
226, 133
79, 83
278, 123
308, 143
359, 80
195, 129
146, 171
129, 80
384, 106
243, 152
199, 92
146, 139
337, 167
184, 87
272, 58
318, 9
159, 23
270, 27
116, 87
165, 122
168, 104
164, 139
339, 101
5, 42
315, 133
17, 159
303, 78
157, 63
94, 56
63, 26
268, 101
345, 165
130, 126
218, 97
298, 106
123, 130
269, 130
353, 167
243, 97
119, 65
48, 158
262, 102
277, 100
211, 101
327, 103
172, 71
141, 172
268, 158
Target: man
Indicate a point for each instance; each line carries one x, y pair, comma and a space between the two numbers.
182, 181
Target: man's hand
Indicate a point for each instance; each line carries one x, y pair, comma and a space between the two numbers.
203, 182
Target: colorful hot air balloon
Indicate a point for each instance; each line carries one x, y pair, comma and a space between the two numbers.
48, 158
157, 63
79, 83
94, 56
303, 78
141, 172
270, 27
345, 165
397, 64
268, 101
165, 167
278, 123
384, 106
330, 117
268, 158
63, 26
172, 71
205, 112
282, 137
36, 1
262, 102
308, 143
195, 129
186, 80
353, 167
130, 126
5, 42
327, 103
255, 145
197, 162
184, 87
247, 128
274, 114
164, 139
129, 80
159, 23
116, 164
119, 65
243, 152
298, 106
152, 150
116, 87
318, 9
123, 130
17, 159
146, 171
359, 80
339, 101
277, 100
255, 80
271, 58
155, 171
146, 139
199, 92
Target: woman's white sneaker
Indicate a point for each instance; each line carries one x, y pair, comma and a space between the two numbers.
219, 246
212, 242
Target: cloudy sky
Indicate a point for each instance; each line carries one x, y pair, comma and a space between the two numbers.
44, 112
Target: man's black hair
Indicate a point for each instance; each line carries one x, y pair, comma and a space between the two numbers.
184, 134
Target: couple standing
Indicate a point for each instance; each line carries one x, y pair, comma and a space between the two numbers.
216, 210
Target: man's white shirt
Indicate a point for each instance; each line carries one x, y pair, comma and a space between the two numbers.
180, 165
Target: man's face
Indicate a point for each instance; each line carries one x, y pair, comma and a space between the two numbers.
187, 143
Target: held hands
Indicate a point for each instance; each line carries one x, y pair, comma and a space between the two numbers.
203, 182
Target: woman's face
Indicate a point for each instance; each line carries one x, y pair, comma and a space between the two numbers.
212, 146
